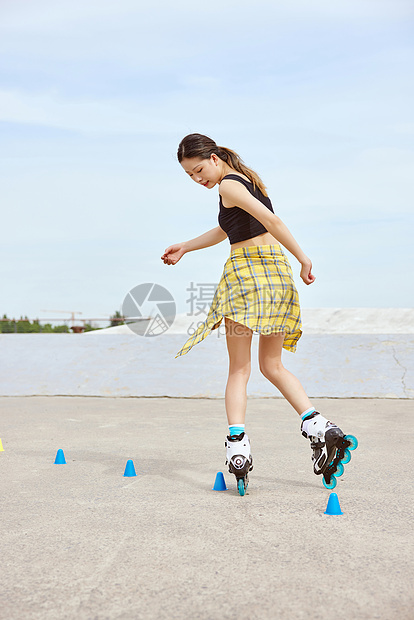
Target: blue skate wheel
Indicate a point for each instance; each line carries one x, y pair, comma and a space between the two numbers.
353, 440
339, 470
347, 456
332, 483
240, 486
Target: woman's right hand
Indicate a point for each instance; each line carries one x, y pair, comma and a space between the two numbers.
173, 254
306, 272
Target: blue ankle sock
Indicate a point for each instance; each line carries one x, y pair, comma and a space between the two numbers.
236, 429
306, 414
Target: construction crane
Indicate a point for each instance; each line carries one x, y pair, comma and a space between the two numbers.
65, 312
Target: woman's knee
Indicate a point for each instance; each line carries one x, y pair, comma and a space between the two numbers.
270, 354
270, 368
240, 370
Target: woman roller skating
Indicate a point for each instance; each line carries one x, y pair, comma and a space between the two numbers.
256, 293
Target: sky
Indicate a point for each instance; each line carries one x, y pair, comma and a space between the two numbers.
95, 96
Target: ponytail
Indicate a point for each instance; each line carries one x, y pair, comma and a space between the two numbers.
234, 161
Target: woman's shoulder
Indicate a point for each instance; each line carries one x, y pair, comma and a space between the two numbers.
235, 182
230, 177
232, 186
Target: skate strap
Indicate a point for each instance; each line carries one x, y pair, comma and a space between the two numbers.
236, 437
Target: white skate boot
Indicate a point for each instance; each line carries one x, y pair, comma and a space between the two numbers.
239, 459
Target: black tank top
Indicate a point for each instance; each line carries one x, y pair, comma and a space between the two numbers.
236, 222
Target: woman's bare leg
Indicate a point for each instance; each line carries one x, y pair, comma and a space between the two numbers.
238, 339
270, 363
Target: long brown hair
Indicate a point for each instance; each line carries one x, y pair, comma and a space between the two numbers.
197, 145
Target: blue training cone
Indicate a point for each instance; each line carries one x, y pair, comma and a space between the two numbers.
333, 507
220, 483
60, 458
130, 469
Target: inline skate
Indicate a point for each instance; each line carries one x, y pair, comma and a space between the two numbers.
331, 449
239, 459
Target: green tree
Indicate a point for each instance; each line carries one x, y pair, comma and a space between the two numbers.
61, 329
47, 328
89, 327
6, 325
25, 326
116, 319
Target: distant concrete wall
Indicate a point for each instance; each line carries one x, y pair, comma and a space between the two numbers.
328, 365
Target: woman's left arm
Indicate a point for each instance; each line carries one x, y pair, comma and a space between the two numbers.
235, 194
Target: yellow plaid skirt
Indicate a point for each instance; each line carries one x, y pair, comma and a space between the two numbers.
257, 290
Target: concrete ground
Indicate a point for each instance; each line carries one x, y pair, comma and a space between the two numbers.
82, 541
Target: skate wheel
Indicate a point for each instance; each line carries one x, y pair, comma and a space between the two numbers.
240, 486
347, 456
339, 470
332, 483
353, 440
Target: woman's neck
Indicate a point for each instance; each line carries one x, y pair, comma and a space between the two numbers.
225, 170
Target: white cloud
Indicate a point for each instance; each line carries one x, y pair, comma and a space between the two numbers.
161, 33
106, 117
48, 15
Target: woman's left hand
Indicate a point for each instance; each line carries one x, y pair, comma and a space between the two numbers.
306, 272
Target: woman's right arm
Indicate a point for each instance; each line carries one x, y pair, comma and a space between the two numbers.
173, 254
